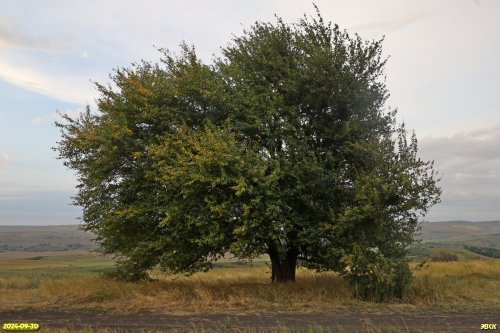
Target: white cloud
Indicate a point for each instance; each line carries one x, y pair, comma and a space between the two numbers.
45, 69
72, 88
470, 165
85, 55
4, 160
14, 35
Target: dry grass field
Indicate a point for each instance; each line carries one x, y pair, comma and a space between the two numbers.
72, 282
69, 284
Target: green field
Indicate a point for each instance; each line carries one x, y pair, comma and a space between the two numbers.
52, 263
459, 241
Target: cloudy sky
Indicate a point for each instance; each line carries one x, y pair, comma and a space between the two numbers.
443, 75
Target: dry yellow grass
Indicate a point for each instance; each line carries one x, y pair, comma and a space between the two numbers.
465, 284
473, 284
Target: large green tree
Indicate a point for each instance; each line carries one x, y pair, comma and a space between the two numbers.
282, 146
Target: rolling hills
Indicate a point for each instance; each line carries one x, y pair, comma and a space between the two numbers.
69, 237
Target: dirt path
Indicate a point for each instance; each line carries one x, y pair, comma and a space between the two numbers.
434, 321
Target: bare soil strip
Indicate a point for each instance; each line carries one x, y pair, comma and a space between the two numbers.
429, 321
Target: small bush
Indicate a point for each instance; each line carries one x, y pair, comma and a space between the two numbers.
127, 271
377, 278
444, 256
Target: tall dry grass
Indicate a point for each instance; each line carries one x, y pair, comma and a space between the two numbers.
465, 284
450, 285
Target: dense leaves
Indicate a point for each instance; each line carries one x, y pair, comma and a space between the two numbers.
283, 146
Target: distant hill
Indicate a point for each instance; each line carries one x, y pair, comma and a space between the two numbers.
448, 229
69, 237
45, 238
466, 240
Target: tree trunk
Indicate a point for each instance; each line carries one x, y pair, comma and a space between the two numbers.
282, 268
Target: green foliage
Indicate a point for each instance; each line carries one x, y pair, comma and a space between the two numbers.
281, 146
374, 276
127, 270
485, 251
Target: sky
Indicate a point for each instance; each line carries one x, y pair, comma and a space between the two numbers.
443, 75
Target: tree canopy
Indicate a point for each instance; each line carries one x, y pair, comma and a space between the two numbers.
282, 146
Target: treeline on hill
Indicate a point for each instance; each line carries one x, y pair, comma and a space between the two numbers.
485, 251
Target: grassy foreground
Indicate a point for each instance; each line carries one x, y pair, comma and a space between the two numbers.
470, 284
